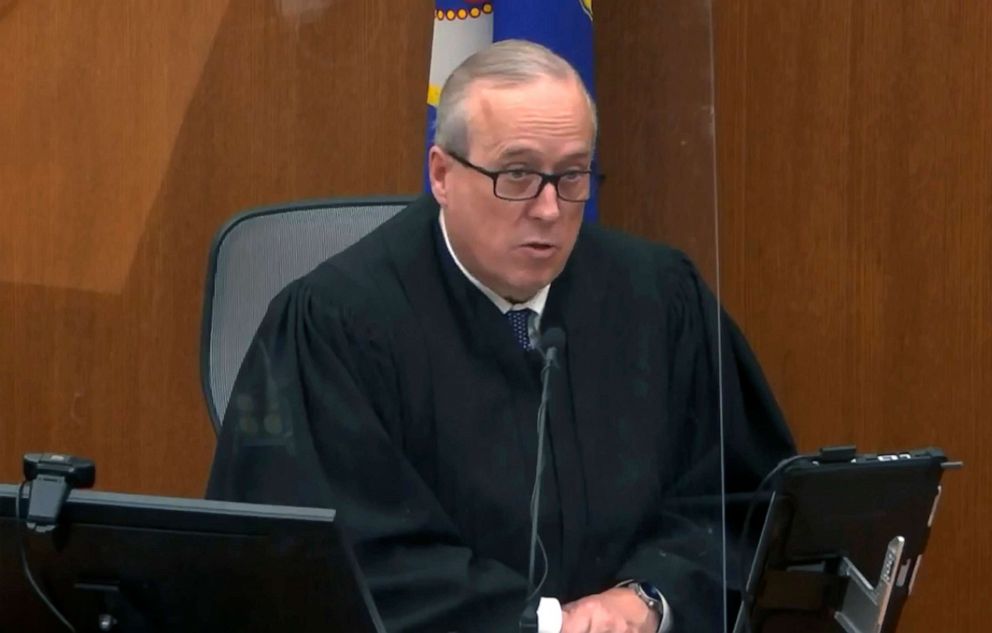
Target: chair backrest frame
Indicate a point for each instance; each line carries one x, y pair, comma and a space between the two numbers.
334, 207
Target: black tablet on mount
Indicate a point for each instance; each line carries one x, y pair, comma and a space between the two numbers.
843, 542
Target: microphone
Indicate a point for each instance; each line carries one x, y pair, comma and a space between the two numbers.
551, 345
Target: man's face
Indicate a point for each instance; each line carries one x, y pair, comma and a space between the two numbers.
515, 247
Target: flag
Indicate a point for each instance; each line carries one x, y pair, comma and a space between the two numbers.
461, 28
564, 26
464, 27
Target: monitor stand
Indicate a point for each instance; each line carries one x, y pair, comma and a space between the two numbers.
116, 612
837, 585
864, 606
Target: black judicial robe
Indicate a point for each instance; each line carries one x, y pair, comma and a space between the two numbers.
383, 384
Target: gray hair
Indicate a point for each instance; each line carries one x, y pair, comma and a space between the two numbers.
506, 63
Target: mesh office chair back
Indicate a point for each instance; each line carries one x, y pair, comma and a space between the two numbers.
253, 257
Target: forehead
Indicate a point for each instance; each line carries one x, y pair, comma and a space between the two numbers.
544, 110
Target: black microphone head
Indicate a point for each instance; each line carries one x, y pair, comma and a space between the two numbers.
553, 338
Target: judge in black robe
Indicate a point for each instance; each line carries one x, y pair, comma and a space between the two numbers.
385, 385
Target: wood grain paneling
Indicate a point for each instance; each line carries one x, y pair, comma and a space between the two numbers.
136, 128
654, 82
855, 170
94, 96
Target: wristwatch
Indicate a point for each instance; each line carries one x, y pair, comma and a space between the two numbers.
650, 595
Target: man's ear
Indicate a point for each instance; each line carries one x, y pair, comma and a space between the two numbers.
437, 173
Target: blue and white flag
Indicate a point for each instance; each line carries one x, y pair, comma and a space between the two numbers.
463, 27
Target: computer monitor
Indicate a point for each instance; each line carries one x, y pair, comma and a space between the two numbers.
842, 543
147, 563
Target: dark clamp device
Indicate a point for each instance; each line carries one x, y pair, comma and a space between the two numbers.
52, 476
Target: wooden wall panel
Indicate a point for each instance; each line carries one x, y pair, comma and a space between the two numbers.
654, 82
855, 170
854, 162
94, 96
134, 130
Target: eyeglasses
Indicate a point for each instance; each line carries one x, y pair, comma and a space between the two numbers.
575, 185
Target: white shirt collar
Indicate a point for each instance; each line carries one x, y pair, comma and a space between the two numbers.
535, 303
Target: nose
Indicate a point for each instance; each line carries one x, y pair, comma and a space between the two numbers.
545, 205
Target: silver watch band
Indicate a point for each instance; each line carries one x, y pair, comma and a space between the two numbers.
652, 597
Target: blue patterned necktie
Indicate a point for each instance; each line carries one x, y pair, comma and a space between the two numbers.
518, 323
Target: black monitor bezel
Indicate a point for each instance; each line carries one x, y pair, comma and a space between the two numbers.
183, 517
914, 474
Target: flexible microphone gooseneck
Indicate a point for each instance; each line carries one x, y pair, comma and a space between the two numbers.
551, 344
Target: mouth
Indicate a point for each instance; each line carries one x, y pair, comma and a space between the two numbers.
539, 249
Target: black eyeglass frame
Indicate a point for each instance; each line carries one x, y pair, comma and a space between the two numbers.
594, 178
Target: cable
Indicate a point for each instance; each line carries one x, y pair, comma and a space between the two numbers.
536, 492
540, 544
544, 574
746, 597
535, 496
24, 559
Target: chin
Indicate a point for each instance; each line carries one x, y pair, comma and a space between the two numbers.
526, 281
527, 288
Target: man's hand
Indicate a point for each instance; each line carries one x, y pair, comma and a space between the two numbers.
613, 611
